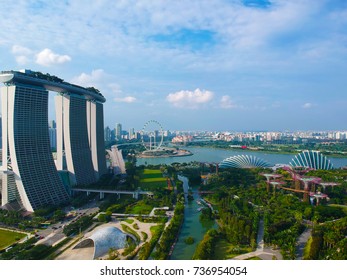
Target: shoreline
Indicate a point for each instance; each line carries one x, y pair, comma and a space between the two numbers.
166, 156
264, 151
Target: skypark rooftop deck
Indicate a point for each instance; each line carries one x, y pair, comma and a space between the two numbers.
49, 82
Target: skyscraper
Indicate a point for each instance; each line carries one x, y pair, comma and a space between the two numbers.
52, 124
107, 135
25, 131
118, 131
131, 133
29, 173
53, 138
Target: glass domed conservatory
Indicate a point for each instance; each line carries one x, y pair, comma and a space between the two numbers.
243, 161
311, 159
104, 239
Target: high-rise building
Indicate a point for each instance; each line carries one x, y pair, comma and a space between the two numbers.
33, 180
52, 124
118, 131
29, 173
52, 135
74, 141
53, 138
107, 133
131, 133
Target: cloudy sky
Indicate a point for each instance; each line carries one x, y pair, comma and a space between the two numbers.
192, 65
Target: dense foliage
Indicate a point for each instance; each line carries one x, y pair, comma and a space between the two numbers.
27, 251
205, 249
328, 241
239, 221
78, 225
148, 247
170, 233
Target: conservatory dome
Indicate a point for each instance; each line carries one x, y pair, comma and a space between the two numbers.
104, 239
243, 161
311, 159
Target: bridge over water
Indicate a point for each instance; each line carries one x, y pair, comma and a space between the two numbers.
135, 194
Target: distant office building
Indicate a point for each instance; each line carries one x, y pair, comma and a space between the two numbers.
131, 133
52, 130
113, 135
107, 135
53, 138
118, 131
52, 124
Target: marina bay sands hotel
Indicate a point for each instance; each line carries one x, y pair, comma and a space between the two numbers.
30, 175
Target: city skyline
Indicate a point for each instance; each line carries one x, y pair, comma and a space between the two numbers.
207, 65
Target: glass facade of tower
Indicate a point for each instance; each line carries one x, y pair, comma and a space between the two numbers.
75, 115
37, 180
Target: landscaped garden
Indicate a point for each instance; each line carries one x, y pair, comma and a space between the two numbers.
8, 237
151, 178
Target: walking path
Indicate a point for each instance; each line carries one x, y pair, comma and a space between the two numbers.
301, 243
261, 252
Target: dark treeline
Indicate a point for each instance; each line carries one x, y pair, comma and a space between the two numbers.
328, 241
239, 221
170, 233
78, 226
205, 249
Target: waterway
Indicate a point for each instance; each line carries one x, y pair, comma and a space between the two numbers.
201, 154
191, 226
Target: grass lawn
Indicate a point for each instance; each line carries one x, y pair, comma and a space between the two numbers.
149, 176
152, 185
9, 237
140, 208
152, 178
225, 250
151, 171
129, 221
156, 229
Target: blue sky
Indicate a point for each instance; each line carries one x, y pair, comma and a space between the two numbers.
192, 65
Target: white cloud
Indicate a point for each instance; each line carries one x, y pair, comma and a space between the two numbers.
103, 81
127, 99
190, 99
20, 50
226, 102
89, 80
22, 54
47, 58
307, 105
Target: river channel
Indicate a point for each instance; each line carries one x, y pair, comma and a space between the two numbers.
191, 226
217, 155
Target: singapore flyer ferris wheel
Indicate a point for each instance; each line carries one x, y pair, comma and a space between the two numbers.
152, 135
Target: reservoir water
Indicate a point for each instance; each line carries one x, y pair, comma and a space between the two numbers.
217, 155
191, 227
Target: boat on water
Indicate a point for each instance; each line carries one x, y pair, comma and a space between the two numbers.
200, 208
